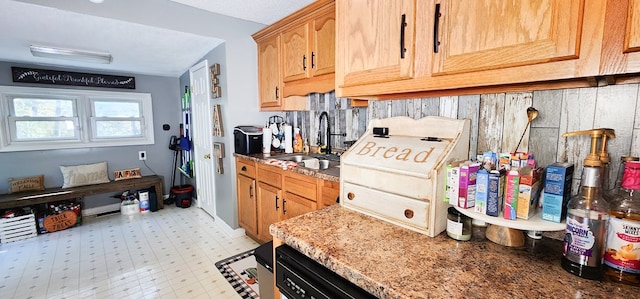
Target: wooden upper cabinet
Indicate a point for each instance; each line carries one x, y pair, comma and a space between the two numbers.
308, 50
621, 49
295, 49
309, 53
464, 47
323, 55
375, 41
269, 81
305, 49
632, 34
489, 34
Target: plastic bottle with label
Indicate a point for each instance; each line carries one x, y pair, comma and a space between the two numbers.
297, 141
622, 254
585, 235
305, 147
588, 212
144, 201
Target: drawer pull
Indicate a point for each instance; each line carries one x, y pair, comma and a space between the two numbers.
244, 168
284, 206
313, 56
403, 24
436, 24
351, 196
408, 213
304, 62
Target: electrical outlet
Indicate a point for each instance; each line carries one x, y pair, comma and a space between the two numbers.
142, 155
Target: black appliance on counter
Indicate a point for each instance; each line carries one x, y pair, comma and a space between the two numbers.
247, 140
298, 276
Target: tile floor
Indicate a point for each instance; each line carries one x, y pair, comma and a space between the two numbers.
166, 254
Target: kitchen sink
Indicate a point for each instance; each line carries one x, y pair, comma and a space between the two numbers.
294, 158
330, 157
319, 162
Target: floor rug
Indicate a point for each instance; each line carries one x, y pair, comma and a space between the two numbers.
240, 271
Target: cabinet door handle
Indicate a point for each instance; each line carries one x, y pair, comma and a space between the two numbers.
313, 64
304, 62
276, 92
250, 191
277, 207
436, 25
284, 207
403, 24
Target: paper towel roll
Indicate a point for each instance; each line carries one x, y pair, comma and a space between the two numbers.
266, 140
288, 139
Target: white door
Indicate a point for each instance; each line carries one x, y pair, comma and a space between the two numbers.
201, 127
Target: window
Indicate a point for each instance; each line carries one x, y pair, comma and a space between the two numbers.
114, 119
44, 118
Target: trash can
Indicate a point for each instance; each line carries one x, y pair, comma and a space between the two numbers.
264, 260
182, 195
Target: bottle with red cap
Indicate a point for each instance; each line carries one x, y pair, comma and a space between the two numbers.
622, 250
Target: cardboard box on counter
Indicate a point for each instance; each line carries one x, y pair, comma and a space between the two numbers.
557, 191
495, 196
512, 190
467, 187
452, 183
530, 188
482, 191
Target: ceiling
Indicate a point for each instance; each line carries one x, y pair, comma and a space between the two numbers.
136, 48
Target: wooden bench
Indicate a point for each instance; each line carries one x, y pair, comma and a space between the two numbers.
21, 199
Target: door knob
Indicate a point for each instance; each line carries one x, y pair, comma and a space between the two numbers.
207, 156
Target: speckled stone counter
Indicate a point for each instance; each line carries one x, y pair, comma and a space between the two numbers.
393, 262
330, 174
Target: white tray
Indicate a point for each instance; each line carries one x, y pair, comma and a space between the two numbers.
535, 223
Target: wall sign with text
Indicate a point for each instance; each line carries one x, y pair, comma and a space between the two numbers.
40, 76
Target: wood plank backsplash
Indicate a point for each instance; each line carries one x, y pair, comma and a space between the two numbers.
498, 120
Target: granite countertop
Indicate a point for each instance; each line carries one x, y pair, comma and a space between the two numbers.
330, 174
393, 262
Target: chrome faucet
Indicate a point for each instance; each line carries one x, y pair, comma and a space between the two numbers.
328, 134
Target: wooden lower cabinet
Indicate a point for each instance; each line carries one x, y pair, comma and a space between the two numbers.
246, 189
268, 194
300, 195
329, 192
269, 208
269, 198
294, 205
247, 210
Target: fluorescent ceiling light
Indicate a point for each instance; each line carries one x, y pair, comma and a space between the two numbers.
70, 54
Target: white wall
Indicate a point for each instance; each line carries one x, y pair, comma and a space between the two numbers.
239, 106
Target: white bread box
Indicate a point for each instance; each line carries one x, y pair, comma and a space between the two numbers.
401, 178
